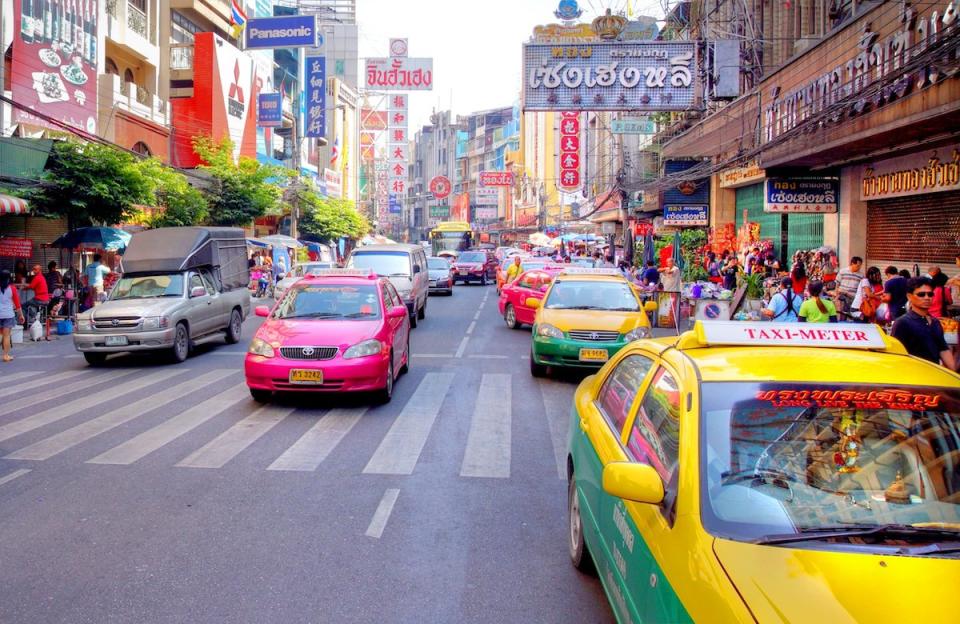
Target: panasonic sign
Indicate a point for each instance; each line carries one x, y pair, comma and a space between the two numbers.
291, 31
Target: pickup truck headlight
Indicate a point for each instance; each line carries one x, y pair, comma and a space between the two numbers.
363, 349
261, 348
638, 333
156, 322
549, 331
84, 325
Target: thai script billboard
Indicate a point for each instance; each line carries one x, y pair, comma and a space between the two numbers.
816, 195
399, 74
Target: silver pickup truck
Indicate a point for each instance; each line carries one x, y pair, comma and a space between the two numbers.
180, 287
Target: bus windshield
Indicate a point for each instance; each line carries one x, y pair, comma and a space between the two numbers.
450, 241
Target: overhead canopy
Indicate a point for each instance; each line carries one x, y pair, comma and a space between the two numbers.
13, 205
180, 248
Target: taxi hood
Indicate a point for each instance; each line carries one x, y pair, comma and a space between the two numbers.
566, 320
783, 584
311, 332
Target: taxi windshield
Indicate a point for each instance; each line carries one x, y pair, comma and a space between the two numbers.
330, 302
592, 295
785, 462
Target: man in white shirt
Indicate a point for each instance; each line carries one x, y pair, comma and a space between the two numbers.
670, 277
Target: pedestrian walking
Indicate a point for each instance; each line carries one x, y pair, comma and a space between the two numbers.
921, 333
848, 284
784, 304
894, 293
869, 293
10, 312
816, 309
94, 274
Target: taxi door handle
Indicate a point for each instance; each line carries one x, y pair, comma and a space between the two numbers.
583, 425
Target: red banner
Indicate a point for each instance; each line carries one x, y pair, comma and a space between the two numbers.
16, 247
55, 62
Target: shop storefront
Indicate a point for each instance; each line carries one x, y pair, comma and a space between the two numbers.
789, 232
913, 208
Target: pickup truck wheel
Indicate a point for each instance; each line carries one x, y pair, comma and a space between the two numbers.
181, 344
235, 327
95, 359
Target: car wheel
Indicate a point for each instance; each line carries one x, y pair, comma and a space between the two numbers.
406, 362
386, 394
537, 370
579, 554
510, 316
95, 359
235, 327
181, 344
261, 396
422, 312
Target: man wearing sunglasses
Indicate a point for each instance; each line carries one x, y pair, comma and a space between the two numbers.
920, 333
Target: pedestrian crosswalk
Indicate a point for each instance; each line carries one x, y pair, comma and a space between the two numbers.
123, 416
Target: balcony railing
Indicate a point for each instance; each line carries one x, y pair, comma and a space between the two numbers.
137, 21
133, 98
181, 56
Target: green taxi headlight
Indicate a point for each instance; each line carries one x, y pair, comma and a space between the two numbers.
549, 331
638, 333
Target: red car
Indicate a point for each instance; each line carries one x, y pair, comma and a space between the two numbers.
475, 266
513, 298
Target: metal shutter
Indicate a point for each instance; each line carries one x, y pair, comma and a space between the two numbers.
923, 230
804, 232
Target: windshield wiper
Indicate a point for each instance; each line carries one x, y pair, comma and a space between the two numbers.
314, 315
896, 531
356, 315
396, 275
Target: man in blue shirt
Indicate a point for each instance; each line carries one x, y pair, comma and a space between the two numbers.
94, 274
895, 292
784, 305
651, 276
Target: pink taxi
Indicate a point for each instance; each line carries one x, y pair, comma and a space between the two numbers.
340, 330
513, 298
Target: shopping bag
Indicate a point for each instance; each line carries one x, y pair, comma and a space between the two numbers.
36, 330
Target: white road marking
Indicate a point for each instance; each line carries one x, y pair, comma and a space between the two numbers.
488, 443
470, 328
431, 355
13, 475
56, 444
556, 405
149, 441
234, 440
37, 357
401, 447
382, 514
9, 407
313, 447
462, 347
40, 380
488, 356
476, 316
78, 405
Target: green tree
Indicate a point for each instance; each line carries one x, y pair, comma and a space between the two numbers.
89, 184
182, 203
244, 190
327, 218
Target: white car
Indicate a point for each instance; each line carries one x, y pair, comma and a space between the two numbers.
299, 271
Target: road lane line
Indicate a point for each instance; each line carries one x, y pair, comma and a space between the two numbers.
382, 514
37, 357
462, 347
313, 447
488, 443
56, 444
470, 329
556, 406
81, 404
476, 316
488, 356
13, 475
401, 447
62, 391
431, 355
237, 438
40, 379
151, 440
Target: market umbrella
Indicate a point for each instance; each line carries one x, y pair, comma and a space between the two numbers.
108, 238
628, 246
281, 240
539, 239
648, 248
677, 255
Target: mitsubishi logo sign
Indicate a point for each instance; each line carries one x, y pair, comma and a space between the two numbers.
235, 95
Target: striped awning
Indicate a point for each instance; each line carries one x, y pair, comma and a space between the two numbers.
13, 205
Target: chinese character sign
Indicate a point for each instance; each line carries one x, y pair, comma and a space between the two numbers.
316, 93
398, 144
650, 75
568, 159
399, 74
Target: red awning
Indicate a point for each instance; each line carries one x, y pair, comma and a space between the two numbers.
13, 205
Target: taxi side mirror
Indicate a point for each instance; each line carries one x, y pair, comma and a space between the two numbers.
650, 306
397, 312
639, 483
263, 311
532, 302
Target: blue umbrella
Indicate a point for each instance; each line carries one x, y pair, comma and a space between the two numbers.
108, 238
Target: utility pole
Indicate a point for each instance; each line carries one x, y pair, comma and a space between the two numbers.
295, 200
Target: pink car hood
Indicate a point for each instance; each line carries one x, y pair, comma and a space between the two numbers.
323, 333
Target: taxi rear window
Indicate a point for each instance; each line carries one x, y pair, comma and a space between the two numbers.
333, 301
783, 458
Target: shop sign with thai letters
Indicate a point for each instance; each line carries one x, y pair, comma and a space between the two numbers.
931, 171
803, 195
641, 76
741, 176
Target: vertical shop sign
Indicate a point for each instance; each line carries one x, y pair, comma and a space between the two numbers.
569, 155
397, 143
54, 69
316, 97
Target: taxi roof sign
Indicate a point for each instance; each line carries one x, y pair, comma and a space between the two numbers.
747, 334
586, 271
368, 273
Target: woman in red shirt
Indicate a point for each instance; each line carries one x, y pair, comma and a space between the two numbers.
799, 277
41, 295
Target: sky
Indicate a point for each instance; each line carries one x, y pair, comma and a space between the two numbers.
475, 46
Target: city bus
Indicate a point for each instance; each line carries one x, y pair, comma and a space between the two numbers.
452, 236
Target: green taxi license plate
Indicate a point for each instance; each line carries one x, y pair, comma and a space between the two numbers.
307, 377
594, 355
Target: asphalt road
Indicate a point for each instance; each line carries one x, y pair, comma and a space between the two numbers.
146, 492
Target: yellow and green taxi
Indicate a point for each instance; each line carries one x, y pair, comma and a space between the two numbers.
585, 318
768, 472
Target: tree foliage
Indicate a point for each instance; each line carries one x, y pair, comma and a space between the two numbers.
182, 203
89, 183
327, 218
244, 190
